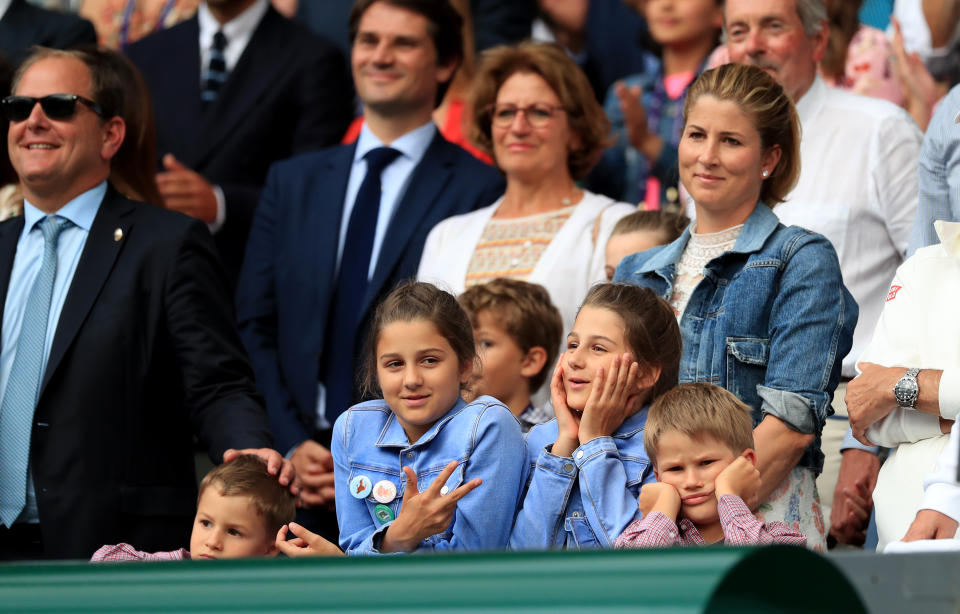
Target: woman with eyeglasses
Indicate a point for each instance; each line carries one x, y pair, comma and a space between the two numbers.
534, 112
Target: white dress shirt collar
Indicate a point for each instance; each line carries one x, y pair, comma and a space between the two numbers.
4, 5
812, 101
81, 210
411, 145
238, 31
949, 233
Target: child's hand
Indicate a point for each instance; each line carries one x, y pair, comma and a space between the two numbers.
611, 399
740, 478
426, 513
568, 421
305, 543
660, 497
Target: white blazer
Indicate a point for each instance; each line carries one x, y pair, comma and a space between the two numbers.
570, 264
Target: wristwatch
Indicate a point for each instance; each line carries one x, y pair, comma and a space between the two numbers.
906, 391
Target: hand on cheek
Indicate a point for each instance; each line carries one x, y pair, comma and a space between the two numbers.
660, 497
568, 420
740, 478
612, 398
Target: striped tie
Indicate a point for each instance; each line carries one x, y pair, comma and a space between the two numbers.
216, 71
23, 385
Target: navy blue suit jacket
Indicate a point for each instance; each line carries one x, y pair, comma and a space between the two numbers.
24, 25
289, 93
288, 278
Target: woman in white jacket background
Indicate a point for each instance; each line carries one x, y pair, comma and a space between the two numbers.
535, 113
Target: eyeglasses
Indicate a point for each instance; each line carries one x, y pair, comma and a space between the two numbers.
537, 115
55, 106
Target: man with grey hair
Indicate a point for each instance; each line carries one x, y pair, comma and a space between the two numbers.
858, 187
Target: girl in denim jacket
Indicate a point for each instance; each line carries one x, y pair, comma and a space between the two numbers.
762, 307
405, 465
587, 465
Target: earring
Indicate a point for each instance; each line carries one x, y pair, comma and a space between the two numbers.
765, 173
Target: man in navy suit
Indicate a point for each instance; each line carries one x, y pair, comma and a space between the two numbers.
23, 25
281, 91
304, 336
118, 338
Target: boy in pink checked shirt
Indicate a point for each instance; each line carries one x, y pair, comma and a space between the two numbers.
240, 509
699, 438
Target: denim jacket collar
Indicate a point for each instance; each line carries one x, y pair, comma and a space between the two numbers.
393, 435
632, 425
756, 230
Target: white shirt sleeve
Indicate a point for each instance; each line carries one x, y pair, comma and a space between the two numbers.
941, 492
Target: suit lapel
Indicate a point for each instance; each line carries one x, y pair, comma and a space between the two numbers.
260, 65
322, 227
99, 254
9, 235
426, 182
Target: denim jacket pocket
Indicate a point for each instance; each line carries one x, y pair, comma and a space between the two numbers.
580, 530
747, 359
377, 475
636, 470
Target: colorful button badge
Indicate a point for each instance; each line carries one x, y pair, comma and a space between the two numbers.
383, 513
360, 487
384, 491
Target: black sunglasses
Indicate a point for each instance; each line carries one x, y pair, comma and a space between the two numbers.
55, 106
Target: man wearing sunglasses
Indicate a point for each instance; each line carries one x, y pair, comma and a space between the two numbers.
117, 342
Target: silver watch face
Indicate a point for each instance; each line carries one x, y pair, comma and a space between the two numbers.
906, 391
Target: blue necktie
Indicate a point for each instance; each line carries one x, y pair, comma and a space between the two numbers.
23, 386
341, 341
216, 69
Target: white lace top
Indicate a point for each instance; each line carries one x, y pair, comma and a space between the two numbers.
700, 249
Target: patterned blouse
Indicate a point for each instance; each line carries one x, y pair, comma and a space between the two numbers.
512, 247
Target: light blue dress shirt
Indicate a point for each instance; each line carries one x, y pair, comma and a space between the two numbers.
393, 181
26, 265
938, 173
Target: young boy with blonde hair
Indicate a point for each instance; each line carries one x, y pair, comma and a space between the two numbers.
240, 509
518, 331
699, 438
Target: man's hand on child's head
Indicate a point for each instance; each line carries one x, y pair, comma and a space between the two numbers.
610, 398
740, 478
660, 497
276, 465
304, 543
424, 513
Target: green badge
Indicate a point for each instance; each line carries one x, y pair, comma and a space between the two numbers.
383, 513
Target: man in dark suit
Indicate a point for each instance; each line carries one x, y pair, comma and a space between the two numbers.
224, 114
23, 25
118, 342
315, 267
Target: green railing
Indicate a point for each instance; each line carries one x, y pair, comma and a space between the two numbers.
774, 579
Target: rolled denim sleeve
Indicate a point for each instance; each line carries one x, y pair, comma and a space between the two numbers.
539, 523
609, 504
812, 321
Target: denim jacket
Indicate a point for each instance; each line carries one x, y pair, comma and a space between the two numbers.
588, 499
770, 321
483, 435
